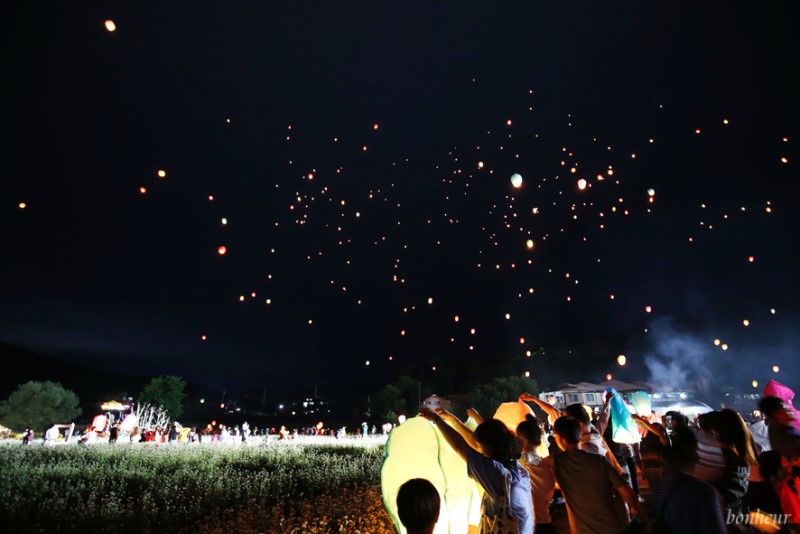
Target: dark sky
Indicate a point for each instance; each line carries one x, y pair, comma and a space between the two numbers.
359, 157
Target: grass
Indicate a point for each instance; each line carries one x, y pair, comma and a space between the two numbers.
295, 486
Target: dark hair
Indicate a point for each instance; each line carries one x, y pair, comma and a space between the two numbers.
502, 444
679, 418
530, 430
578, 412
770, 405
769, 463
733, 431
418, 504
684, 450
568, 428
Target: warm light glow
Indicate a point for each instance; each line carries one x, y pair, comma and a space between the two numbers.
717, 342
608, 376
746, 322
529, 243
516, 180
621, 359
222, 250
522, 341
480, 164
755, 383
648, 309
110, 26
582, 184
724, 346
775, 369
22, 205
162, 173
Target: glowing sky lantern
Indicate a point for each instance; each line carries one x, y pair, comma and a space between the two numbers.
516, 180
22, 205
717, 342
529, 243
621, 359
609, 376
162, 173
651, 192
648, 309
222, 250
480, 164
775, 369
582, 184
746, 322
430, 300
110, 26
416, 449
755, 383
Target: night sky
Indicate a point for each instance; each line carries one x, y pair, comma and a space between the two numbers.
354, 162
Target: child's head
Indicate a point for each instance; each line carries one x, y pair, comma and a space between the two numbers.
418, 506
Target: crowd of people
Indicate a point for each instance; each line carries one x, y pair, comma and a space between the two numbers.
174, 433
565, 473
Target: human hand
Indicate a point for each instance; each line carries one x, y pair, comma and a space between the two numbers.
428, 414
472, 412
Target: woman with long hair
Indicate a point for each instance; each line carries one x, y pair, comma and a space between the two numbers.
737, 452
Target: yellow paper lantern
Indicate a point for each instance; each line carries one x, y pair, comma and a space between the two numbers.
416, 449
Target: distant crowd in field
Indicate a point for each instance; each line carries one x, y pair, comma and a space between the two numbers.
175, 433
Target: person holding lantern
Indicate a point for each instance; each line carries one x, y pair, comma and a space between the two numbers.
491, 456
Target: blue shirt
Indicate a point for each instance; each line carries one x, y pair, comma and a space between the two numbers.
490, 475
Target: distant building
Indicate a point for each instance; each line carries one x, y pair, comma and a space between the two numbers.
588, 393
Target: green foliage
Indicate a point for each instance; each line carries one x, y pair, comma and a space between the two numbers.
141, 488
401, 397
487, 397
389, 401
167, 392
38, 405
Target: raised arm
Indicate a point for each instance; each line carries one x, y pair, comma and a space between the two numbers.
459, 427
605, 413
451, 435
552, 412
473, 413
651, 428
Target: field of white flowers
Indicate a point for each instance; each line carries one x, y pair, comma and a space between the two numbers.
294, 486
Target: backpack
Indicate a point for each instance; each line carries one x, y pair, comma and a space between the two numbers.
503, 521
